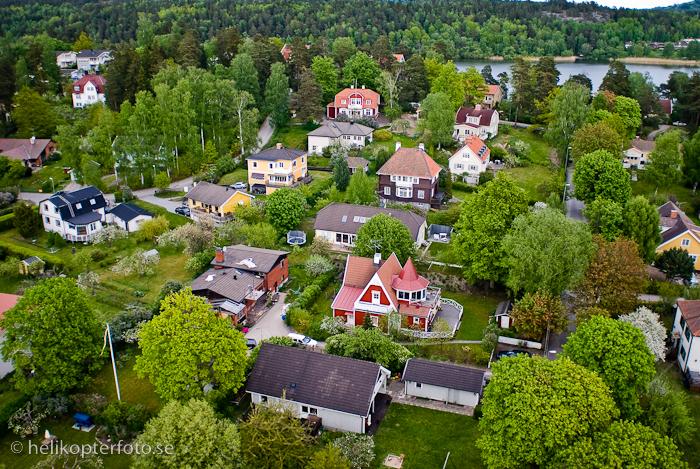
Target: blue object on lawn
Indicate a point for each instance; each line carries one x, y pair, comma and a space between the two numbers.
84, 420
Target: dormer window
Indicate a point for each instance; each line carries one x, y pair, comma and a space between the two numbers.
78, 205
76, 88
368, 102
92, 201
375, 297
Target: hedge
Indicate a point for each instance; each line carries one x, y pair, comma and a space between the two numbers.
24, 252
7, 222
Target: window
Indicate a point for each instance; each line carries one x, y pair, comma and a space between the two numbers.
46, 207
255, 164
343, 101
76, 88
403, 295
368, 101
685, 242
92, 227
57, 223
404, 192
473, 167
459, 166
682, 352
375, 320
421, 194
92, 201
419, 385
694, 257
263, 398
47, 220
387, 190
271, 165
280, 165
368, 112
78, 205
356, 101
682, 322
687, 334
294, 164
375, 297
309, 410
313, 147
416, 320
71, 226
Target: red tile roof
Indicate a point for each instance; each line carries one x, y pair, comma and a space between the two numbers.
476, 145
411, 162
97, 80
359, 271
7, 302
366, 93
690, 310
386, 273
408, 279
493, 89
483, 114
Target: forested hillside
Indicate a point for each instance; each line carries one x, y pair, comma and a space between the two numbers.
456, 28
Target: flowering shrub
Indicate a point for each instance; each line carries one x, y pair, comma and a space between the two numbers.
654, 331
332, 325
358, 449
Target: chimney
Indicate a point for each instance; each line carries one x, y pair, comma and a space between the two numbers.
421, 147
219, 256
674, 213
279, 146
377, 258
477, 107
398, 145
32, 140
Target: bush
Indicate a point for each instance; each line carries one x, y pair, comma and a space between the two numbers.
299, 319
317, 265
149, 230
332, 325
358, 449
124, 325
382, 135
123, 421
308, 296
26, 220
91, 404
199, 262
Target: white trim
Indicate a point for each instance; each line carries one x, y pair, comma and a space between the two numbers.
678, 236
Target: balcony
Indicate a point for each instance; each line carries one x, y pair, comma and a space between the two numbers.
202, 214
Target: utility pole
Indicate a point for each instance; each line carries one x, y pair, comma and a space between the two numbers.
108, 337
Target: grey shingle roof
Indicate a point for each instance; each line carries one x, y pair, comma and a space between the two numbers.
346, 218
233, 284
336, 129
261, 260
313, 378
212, 194
275, 154
447, 375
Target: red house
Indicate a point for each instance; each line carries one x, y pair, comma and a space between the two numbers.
377, 288
354, 103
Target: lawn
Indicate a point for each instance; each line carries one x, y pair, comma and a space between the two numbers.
534, 178
240, 174
170, 194
539, 148
390, 145
291, 136
174, 219
687, 201
464, 354
477, 309
425, 436
35, 183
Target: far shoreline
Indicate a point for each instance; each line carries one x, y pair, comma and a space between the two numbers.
626, 60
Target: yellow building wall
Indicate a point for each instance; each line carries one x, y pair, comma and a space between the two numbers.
693, 248
299, 171
239, 198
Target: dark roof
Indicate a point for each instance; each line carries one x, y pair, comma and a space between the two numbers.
90, 53
690, 310
128, 212
446, 375
348, 218
212, 194
674, 222
85, 218
233, 284
335, 129
313, 378
276, 153
483, 114
67, 202
250, 259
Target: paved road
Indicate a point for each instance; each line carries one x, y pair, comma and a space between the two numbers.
662, 128
574, 207
271, 324
264, 134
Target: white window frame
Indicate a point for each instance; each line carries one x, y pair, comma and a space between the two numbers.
376, 297
387, 190
421, 194
685, 242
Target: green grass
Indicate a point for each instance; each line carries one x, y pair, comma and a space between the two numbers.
464, 354
390, 145
169, 194
539, 148
240, 174
133, 389
291, 136
687, 201
174, 219
477, 309
532, 178
425, 436
35, 182
12, 240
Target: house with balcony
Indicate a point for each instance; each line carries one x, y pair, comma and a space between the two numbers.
92, 60
76, 216
637, 155
678, 231
410, 176
90, 89
470, 160
686, 335
347, 134
377, 288
354, 103
66, 59
275, 168
478, 121
207, 200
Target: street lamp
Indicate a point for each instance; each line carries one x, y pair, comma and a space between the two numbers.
53, 187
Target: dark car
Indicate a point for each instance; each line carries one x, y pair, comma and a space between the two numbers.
184, 211
251, 343
512, 353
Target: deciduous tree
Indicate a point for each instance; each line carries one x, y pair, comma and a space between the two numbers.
52, 338
600, 174
371, 345
341, 172
34, 115
361, 190
187, 348
593, 137
617, 80
617, 352
244, 75
436, 123
326, 73
568, 109
641, 224
536, 312
534, 408
629, 111
605, 218
285, 208
361, 70
385, 235
665, 161
651, 326
677, 264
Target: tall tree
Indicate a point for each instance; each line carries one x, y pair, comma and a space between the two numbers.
617, 352
187, 348
665, 165
389, 88
568, 110
192, 435
361, 190
413, 82
617, 80
474, 86
227, 42
343, 48
593, 137
341, 172
34, 115
631, 114
244, 75
536, 313
566, 400
83, 42
677, 264
285, 208
641, 225
308, 100
605, 218
52, 338
481, 226
600, 174
277, 96
524, 84
361, 70
386, 235
436, 123
544, 250
451, 83
299, 61
583, 80
122, 76
546, 77
327, 75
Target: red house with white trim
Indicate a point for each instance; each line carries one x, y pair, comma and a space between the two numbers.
354, 103
378, 288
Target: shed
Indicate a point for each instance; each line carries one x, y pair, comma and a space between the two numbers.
440, 233
32, 266
441, 381
502, 315
128, 217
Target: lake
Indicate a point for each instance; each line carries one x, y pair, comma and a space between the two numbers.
594, 71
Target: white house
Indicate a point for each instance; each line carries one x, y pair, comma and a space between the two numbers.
441, 381
686, 330
637, 155
89, 89
343, 392
89, 59
347, 134
339, 223
477, 121
471, 160
76, 216
128, 217
66, 59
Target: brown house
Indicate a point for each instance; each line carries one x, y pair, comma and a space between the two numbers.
410, 176
33, 152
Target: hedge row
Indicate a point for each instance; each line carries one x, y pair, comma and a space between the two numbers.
313, 290
7, 222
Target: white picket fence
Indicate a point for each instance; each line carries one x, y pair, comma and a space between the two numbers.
437, 335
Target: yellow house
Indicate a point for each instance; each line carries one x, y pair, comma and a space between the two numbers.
678, 231
215, 201
276, 167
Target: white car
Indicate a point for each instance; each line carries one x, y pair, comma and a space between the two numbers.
302, 340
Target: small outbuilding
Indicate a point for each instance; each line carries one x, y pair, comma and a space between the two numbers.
32, 266
440, 233
128, 217
441, 381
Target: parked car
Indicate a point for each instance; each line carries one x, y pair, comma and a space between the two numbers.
512, 353
184, 211
251, 343
302, 340
240, 186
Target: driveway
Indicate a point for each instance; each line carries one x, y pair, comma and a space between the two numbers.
271, 323
264, 134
